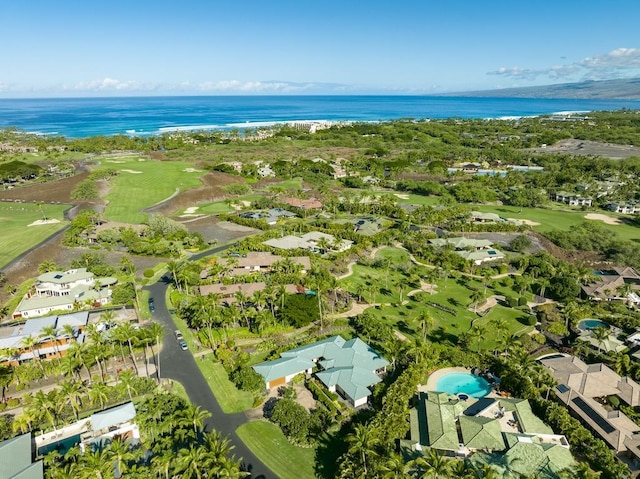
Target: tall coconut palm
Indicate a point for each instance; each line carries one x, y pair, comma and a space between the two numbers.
363, 441
127, 333
432, 466
156, 332
72, 391
99, 394
195, 417
120, 454
127, 381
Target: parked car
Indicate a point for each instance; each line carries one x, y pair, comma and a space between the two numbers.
152, 305
183, 345
178, 334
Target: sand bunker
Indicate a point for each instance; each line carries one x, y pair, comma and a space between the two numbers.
142, 159
402, 196
114, 161
132, 171
44, 222
610, 220
526, 222
191, 170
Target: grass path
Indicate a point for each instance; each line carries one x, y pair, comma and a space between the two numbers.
268, 443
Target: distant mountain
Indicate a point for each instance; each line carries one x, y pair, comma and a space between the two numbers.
624, 89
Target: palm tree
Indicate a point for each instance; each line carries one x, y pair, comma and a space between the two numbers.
127, 381
193, 463
600, 334
156, 331
46, 405
99, 394
126, 333
432, 466
119, 453
47, 266
362, 441
95, 463
426, 322
50, 332
395, 467
195, 416
72, 392
161, 463
30, 343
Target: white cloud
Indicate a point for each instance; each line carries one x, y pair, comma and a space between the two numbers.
107, 84
614, 64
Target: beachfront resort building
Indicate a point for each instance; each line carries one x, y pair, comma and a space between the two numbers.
501, 432
348, 368
64, 290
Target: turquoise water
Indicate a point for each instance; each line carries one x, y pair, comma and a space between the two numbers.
145, 116
588, 324
62, 446
467, 383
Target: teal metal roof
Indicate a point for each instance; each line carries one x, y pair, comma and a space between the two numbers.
15, 459
113, 416
282, 367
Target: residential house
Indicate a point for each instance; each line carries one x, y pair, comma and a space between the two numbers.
477, 250
312, 241
271, 216
348, 368
494, 431
617, 283
93, 432
14, 338
64, 290
624, 207
16, 459
572, 199
93, 234
582, 388
261, 262
304, 204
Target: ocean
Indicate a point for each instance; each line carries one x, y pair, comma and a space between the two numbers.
144, 116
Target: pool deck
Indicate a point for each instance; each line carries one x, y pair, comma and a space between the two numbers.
432, 382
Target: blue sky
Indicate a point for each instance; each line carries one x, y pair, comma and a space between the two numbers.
135, 47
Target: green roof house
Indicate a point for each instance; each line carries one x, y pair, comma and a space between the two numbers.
349, 368
16, 459
501, 432
477, 250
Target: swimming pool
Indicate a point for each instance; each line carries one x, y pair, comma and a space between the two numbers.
467, 383
63, 445
589, 324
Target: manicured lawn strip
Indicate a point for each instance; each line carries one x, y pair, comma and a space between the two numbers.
17, 237
130, 193
268, 443
230, 398
292, 184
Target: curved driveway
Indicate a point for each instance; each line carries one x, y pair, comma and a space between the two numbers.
181, 366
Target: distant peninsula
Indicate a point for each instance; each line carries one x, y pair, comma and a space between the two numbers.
621, 89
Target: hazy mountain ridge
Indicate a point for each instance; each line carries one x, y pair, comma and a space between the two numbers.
621, 89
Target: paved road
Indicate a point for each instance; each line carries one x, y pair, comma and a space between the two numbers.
181, 366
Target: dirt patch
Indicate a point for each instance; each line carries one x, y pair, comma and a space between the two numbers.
610, 220
58, 191
524, 221
219, 231
590, 148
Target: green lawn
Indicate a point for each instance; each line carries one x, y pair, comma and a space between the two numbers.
268, 443
230, 398
142, 183
17, 236
558, 219
292, 184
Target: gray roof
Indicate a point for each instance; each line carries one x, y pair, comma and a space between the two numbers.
12, 336
63, 277
15, 459
113, 416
